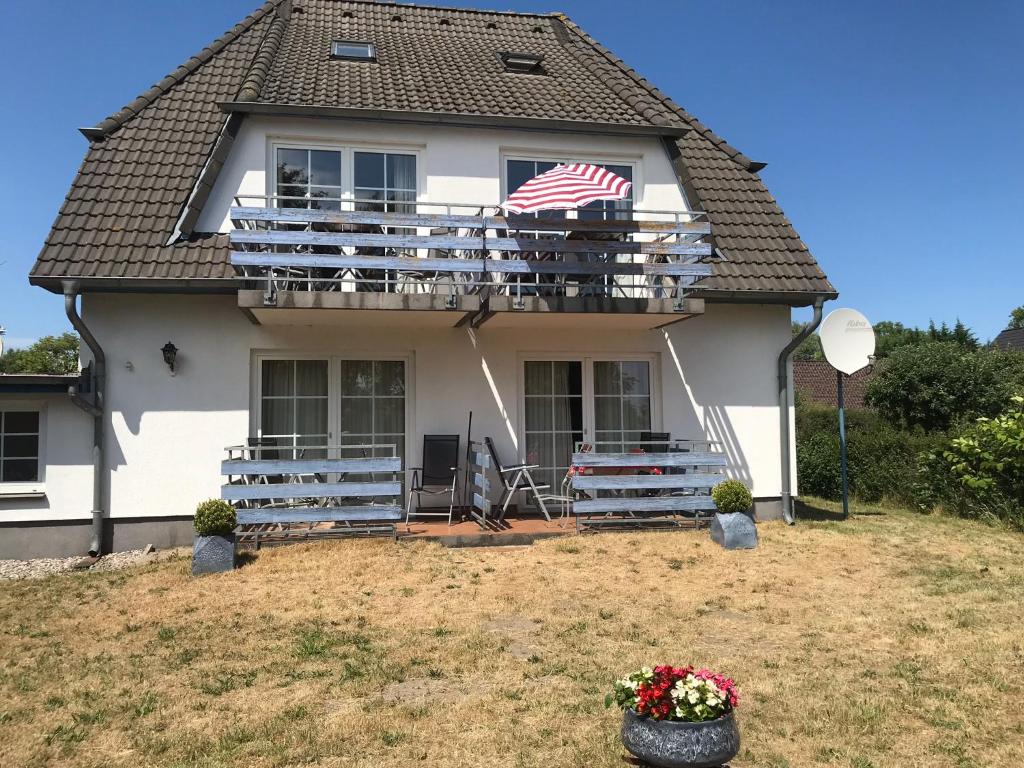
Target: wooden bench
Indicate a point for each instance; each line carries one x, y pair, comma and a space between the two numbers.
622, 491
289, 498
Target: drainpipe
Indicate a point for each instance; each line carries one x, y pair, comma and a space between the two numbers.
787, 494
94, 407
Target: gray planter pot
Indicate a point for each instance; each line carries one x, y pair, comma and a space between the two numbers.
681, 745
734, 530
213, 554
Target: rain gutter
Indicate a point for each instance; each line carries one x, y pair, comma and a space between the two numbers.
94, 407
784, 427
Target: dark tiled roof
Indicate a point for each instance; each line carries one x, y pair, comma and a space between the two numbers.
434, 60
132, 194
124, 204
1011, 338
816, 379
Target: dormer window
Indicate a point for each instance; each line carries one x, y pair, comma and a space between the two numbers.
522, 63
353, 51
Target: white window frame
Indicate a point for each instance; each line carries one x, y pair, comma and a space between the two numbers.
653, 359
333, 389
33, 488
348, 166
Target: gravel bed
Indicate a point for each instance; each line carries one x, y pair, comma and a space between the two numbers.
47, 566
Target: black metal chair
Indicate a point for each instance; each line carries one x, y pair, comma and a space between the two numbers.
655, 442
437, 477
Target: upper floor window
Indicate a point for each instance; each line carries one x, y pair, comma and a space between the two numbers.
19, 446
347, 49
304, 176
319, 178
386, 177
612, 210
518, 172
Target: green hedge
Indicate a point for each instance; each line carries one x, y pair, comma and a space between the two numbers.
975, 471
882, 461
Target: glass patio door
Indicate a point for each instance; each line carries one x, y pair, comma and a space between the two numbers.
553, 391
607, 402
622, 404
293, 409
372, 407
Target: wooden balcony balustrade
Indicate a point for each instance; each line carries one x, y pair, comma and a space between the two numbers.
495, 260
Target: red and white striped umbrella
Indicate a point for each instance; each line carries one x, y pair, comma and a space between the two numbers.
567, 186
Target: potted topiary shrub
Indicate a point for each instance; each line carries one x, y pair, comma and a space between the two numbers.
733, 526
678, 717
213, 547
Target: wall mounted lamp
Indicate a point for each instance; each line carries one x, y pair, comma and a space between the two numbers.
170, 353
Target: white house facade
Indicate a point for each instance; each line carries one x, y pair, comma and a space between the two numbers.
228, 215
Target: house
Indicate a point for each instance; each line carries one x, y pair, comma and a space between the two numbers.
1010, 340
816, 380
212, 316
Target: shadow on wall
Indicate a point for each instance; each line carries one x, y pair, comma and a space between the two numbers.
718, 427
720, 390
492, 387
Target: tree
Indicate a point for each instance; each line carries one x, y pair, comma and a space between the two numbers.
890, 336
938, 384
810, 348
51, 354
1017, 317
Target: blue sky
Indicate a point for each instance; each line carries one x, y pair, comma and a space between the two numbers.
893, 131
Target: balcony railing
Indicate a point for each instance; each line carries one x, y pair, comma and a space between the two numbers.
456, 250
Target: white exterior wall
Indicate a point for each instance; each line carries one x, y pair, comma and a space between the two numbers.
166, 433
454, 165
65, 445
716, 375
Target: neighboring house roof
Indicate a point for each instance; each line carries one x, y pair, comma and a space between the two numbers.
1011, 339
36, 383
130, 213
816, 379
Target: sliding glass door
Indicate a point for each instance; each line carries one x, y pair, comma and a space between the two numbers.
553, 394
306, 405
293, 409
622, 404
372, 406
566, 402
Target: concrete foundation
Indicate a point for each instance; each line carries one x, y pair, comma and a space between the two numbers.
767, 509
24, 541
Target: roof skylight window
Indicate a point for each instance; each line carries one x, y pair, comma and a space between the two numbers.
522, 63
353, 51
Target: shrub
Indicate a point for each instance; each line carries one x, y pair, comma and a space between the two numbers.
937, 385
214, 517
980, 473
732, 496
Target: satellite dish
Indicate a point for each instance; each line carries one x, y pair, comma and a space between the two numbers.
847, 340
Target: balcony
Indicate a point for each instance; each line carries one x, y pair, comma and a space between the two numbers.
453, 264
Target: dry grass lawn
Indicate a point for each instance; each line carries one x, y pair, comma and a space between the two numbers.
888, 640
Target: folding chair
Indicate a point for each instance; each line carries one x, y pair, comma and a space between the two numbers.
517, 477
437, 476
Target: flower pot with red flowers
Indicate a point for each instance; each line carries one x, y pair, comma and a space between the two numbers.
678, 717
